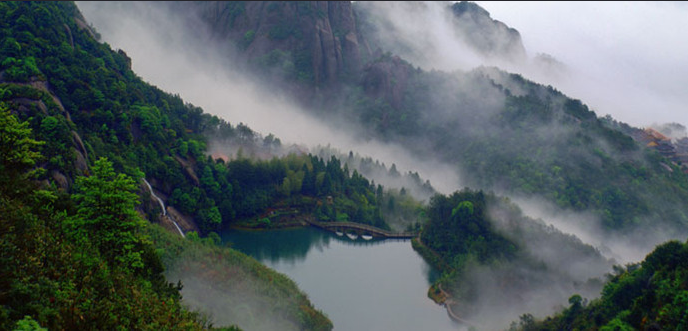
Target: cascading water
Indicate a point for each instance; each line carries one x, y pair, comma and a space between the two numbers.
162, 205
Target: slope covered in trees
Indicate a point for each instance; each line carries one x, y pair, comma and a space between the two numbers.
60, 269
102, 129
650, 295
500, 131
79, 256
495, 259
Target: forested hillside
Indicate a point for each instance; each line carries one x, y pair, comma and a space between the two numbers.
494, 258
499, 130
85, 244
77, 261
89, 131
650, 295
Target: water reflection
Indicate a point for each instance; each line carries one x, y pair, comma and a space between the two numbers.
281, 245
290, 245
360, 284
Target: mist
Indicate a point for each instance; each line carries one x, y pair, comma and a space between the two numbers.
626, 59
228, 292
422, 33
549, 268
602, 74
541, 292
174, 60
622, 59
605, 55
622, 249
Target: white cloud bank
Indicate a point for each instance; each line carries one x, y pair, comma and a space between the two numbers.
627, 59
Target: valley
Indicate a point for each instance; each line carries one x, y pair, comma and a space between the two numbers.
319, 166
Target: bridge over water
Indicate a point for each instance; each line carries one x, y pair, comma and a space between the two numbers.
361, 229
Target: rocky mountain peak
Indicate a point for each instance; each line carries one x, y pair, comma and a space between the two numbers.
490, 37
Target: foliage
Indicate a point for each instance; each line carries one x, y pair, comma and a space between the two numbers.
74, 257
18, 151
52, 277
476, 238
140, 128
105, 203
227, 276
28, 324
537, 142
333, 191
459, 227
650, 295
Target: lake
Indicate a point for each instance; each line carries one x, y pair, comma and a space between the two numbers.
359, 284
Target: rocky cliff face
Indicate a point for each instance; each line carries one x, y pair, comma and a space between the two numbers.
490, 37
313, 43
36, 99
439, 35
387, 79
315, 49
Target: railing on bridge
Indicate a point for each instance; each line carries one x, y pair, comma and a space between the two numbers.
362, 229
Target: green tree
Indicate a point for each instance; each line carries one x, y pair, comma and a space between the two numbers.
29, 324
105, 211
18, 152
17, 148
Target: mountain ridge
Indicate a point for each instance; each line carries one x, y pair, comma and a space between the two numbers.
561, 144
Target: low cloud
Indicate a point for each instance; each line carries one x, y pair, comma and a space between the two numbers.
624, 59
166, 56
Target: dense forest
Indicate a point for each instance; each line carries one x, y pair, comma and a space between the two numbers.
77, 261
84, 245
650, 295
491, 255
500, 131
80, 133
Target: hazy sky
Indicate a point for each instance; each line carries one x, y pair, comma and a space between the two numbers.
629, 59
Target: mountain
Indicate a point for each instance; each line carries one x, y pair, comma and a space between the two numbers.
83, 135
499, 130
648, 295
315, 44
418, 31
316, 49
491, 37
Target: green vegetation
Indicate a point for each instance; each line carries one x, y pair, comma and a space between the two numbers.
79, 131
61, 271
460, 231
651, 295
105, 203
501, 131
536, 142
234, 287
458, 236
142, 129
483, 244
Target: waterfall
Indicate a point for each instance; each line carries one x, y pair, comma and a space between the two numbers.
162, 205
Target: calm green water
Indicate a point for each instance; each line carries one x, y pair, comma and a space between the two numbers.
360, 285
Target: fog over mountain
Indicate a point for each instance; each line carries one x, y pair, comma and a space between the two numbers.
476, 137
598, 57
636, 50
166, 55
